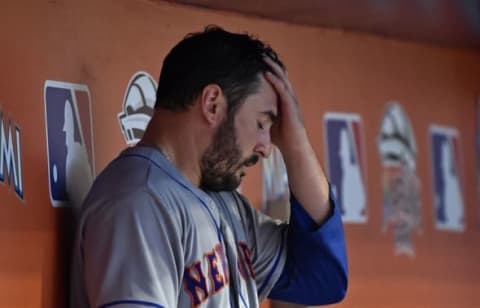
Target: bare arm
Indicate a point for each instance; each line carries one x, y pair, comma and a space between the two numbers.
308, 182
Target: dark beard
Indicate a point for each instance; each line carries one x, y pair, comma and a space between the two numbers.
222, 160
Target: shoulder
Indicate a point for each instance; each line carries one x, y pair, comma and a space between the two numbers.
124, 204
135, 203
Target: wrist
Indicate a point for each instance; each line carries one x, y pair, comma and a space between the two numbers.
294, 143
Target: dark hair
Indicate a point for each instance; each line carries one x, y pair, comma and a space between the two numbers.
232, 61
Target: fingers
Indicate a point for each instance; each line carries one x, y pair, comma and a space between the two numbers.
279, 85
289, 104
275, 67
279, 72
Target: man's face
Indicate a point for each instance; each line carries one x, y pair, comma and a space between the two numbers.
240, 141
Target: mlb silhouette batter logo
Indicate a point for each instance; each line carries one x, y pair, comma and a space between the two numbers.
69, 142
447, 178
346, 165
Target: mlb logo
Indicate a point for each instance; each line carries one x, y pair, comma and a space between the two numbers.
68, 123
447, 178
346, 165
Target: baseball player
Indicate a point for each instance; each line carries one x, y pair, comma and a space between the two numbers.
163, 226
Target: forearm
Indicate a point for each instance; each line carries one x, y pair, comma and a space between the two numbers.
316, 267
307, 180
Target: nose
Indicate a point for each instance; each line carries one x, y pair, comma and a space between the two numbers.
264, 145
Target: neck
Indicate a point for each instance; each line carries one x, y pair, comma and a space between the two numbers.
181, 146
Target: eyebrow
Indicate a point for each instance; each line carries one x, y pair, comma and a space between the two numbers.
271, 115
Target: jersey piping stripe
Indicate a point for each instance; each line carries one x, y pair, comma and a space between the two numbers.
135, 302
184, 186
234, 302
277, 260
243, 300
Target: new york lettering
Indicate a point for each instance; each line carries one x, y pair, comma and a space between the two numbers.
200, 286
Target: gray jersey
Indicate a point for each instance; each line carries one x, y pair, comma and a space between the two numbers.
148, 238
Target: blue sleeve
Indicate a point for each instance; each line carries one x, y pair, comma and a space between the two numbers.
316, 271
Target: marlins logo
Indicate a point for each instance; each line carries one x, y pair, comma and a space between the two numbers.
346, 165
69, 142
447, 178
11, 155
401, 185
138, 107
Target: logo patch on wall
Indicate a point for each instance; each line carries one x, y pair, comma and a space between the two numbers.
11, 155
138, 105
346, 164
447, 178
401, 185
68, 121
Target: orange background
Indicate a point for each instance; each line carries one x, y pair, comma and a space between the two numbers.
103, 43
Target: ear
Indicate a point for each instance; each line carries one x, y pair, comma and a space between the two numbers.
213, 104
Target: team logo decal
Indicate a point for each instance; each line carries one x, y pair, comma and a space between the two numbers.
401, 186
447, 178
68, 123
346, 164
138, 106
11, 155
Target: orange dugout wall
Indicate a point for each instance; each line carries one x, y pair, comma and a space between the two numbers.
93, 48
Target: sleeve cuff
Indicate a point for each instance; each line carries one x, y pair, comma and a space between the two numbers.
303, 219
